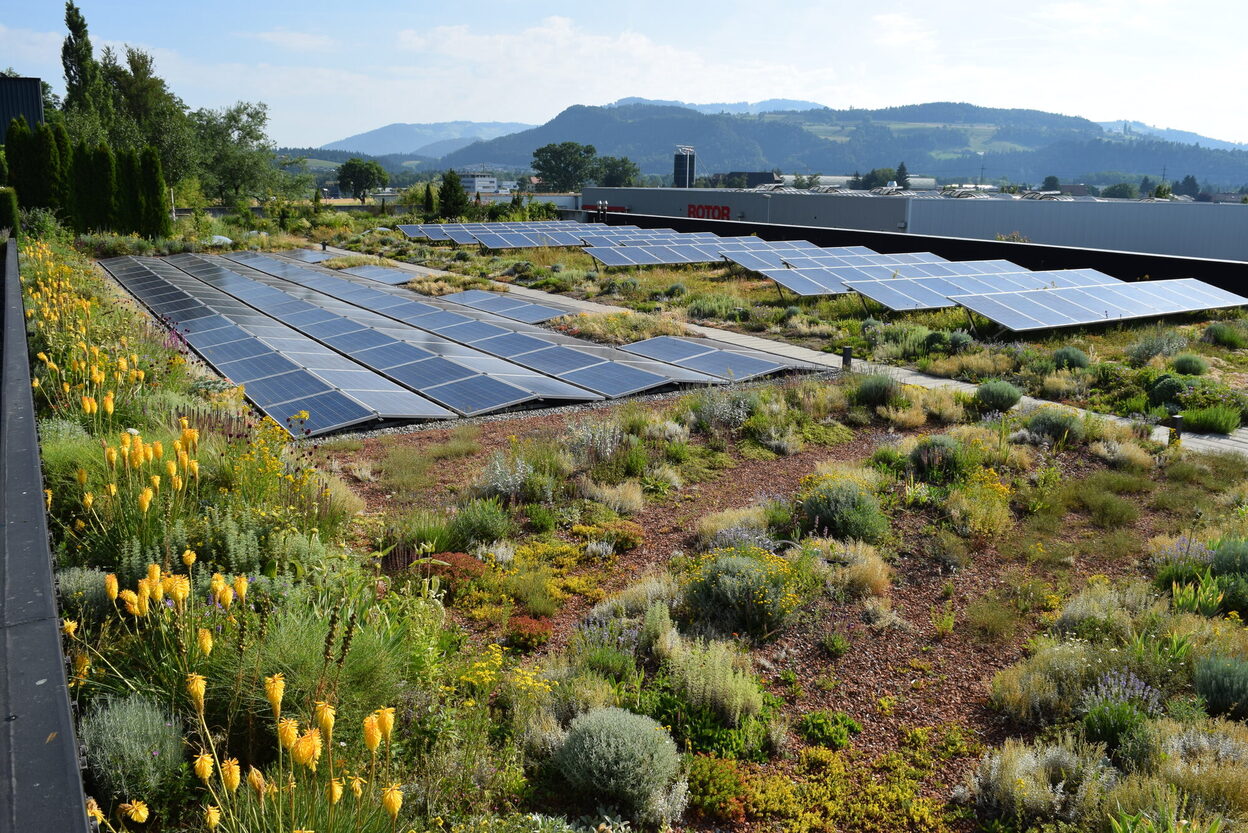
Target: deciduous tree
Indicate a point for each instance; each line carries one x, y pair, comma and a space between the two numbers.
564, 166
360, 177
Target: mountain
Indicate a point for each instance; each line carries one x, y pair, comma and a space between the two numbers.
1139, 129
771, 105
951, 140
415, 138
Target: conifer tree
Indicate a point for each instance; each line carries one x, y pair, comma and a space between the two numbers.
45, 188
103, 189
428, 206
8, 211
18, 146
155, 219
452, 199
903, 176
80, 184
65, 148
4, 169
128, 198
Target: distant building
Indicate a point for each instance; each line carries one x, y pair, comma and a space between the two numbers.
478, 183
1075, 190
20, 97
917, 183
683, 167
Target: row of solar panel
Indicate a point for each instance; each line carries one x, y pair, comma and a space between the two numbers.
578, 367
937, 293
1073, 306
224, 337
697, 354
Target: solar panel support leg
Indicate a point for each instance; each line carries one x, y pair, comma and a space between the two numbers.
1176, 430
847, 356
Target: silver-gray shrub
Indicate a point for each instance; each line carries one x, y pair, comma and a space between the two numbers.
623, 759
741, 536
1157, 343
504, 477
723, 410
593, 440
133, 745
82, 595
1041, 782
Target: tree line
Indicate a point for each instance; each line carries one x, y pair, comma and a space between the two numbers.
91, 189
120, 127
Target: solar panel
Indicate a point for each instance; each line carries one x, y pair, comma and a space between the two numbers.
428, 373
283, 387
610, 256
382, 274
706, 357
556, 360
478, 394
533, 313
326, 412
256, 367
804, 281
309, 255
413, 231
729, 365
512, 344
613, 379
667, 348
464, 238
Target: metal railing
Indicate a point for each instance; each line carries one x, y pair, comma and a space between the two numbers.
40, 774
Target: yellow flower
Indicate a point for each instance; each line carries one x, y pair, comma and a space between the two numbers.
88, 500
47, 499
225, 596
130, 599
334, 790
69, 627
179, 589
153, 574
93, 810
196, 686
385, 722
357, 785
110, 456
307, 749
155, 479
135, 811
112, 490
325, 718
205, 641
240, 587
372, 733
81, 474
108, 403
188, 557
203, 766
287, 732
217, 582
255, 780
171, 468
392, 800
274, 689
212, 816
145, 500
231, 773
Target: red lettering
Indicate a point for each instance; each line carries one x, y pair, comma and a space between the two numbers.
709, 212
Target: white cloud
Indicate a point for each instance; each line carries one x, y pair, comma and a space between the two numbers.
902, 31
296, 41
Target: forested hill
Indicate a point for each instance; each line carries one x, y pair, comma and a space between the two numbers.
943, 139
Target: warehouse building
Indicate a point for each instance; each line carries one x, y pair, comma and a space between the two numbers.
1188, 229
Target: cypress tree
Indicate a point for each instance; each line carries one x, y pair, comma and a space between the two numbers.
155, 219
428, 206
65, 197
4, 169
18, 147
47, 180
103, 209
451, 196
80, 184
129, 199
8, 211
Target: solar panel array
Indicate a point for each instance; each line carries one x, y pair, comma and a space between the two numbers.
500, 235
311, 339
382, 274
502, 303
1041, 309
937, 293
308, 255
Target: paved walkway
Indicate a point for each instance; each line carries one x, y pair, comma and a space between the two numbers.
1236, 442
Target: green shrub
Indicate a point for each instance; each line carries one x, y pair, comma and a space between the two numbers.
741, 590
623, 758
82, 595
1231, 556
723, 307
1223, 335
133, 746
541, 518
1216, 419
830, 729
714, 675
716, 789
1068, 358
421, 529
9, 218
997, 395
938, 459
479, 521
959, 340
1112, 722
876, 390
1165, 389
835, 644
1058, 424
844, 510
1223, 682
1189, 364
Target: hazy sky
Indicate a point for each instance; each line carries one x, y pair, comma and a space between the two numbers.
332, 69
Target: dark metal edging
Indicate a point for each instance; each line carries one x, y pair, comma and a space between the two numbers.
40, 776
